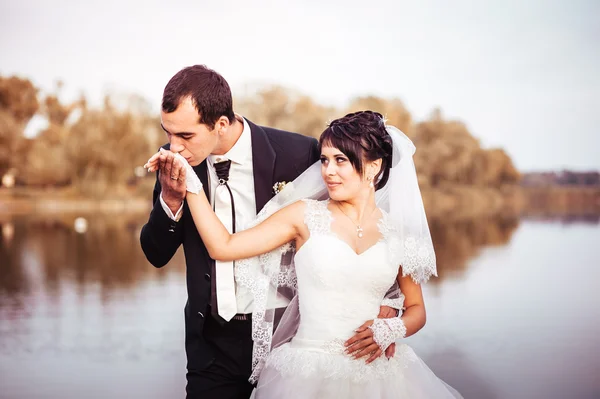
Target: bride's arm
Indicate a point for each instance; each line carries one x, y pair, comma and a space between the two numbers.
414, 316
281, 227
363, 343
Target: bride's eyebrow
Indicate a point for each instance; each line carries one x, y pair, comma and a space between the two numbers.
337, 154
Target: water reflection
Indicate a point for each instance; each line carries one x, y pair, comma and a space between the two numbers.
66, 292
43, 254
38, 253
50, 272
69, 299
455, 243
470, 382
8, 232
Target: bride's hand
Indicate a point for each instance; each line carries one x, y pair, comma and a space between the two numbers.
386, 312
362, 343
156, 161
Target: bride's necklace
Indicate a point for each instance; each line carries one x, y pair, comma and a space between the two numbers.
359, 229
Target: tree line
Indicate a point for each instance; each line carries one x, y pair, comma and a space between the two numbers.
96, 150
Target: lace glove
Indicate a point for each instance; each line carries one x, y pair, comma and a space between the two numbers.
387, 331
192, 182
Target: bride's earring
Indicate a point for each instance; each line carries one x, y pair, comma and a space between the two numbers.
370, 179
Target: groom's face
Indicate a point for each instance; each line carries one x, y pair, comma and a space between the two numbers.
193, 140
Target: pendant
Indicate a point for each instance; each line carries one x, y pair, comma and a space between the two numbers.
359, 231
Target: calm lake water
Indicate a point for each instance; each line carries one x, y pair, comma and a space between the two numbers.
515, 312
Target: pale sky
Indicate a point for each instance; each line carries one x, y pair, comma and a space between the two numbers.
523, 75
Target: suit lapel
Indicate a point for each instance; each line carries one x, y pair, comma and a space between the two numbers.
263, 164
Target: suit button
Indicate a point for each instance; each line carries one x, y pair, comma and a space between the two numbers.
207, 277
201, 315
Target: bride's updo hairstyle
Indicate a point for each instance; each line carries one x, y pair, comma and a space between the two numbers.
362, 137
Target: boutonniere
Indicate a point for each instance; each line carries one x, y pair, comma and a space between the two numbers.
277, 187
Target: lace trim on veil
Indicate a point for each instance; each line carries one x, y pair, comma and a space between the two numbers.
416, 256
263, 275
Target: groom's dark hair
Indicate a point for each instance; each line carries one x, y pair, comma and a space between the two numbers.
209, 91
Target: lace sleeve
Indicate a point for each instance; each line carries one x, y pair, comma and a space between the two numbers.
416, 258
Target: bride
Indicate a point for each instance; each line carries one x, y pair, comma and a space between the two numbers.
354, 225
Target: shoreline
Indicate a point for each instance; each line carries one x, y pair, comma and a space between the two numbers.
63, 206
451, 202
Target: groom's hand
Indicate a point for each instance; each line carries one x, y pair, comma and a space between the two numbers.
386, 312
171, 175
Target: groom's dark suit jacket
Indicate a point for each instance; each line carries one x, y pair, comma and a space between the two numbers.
277, 156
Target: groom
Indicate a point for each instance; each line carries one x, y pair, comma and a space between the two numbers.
238, 163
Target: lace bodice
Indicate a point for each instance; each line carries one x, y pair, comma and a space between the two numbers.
338, 290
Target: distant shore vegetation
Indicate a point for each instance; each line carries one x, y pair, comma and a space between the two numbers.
97, 152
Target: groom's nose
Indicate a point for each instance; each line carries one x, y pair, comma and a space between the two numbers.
176, 145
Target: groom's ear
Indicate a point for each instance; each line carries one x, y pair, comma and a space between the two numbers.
222, 125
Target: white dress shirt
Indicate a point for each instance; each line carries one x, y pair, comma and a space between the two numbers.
241, 182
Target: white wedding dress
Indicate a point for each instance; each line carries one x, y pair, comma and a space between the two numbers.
338, 290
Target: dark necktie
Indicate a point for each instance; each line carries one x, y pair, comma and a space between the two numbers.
222, 169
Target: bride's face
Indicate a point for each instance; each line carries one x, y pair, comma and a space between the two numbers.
342, 180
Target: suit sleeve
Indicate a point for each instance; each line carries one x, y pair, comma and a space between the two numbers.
161, 236
394, 298
313, 153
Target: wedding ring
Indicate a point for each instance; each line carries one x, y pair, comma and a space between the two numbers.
174, 178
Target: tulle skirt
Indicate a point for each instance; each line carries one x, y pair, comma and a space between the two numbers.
293, 372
